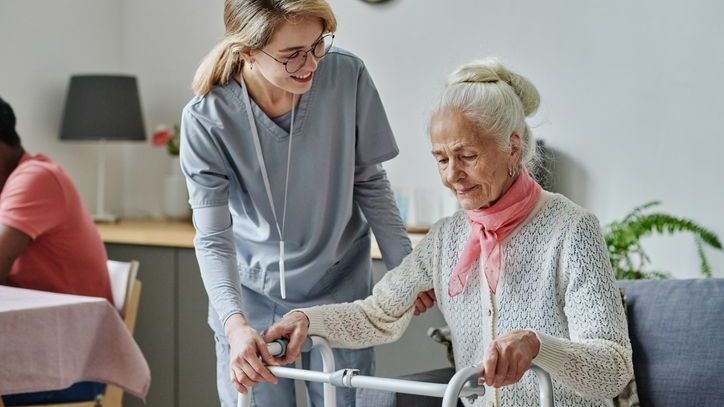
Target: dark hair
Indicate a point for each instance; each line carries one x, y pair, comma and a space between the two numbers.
8, 135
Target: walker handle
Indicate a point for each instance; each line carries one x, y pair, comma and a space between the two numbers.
457, 382
278, 347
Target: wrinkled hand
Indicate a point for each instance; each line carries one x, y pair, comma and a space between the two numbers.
294, 328
509, 357
425, 300
249, 355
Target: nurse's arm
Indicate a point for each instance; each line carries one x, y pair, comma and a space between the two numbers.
208, 182
373, 194
216, 254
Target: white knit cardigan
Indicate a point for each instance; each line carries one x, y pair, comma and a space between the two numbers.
556, 281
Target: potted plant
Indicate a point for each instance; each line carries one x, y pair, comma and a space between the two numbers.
623, 238
175, 195
169, 137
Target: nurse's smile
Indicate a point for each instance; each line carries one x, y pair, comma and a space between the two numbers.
303, 78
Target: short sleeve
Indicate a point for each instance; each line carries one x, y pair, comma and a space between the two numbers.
202, 164
32, 201
375, 140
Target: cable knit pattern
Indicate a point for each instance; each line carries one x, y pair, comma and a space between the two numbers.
556, 281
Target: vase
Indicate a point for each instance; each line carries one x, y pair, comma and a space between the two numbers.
175, 195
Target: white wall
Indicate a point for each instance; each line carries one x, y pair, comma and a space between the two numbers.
631, 95
164, 41
631, 91
42, 43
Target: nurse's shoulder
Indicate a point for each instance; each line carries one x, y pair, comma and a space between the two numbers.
212, 108
203, 123
341, 65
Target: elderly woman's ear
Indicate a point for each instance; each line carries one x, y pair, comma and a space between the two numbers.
515, 151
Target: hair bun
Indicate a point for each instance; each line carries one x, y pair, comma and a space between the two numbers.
492, 71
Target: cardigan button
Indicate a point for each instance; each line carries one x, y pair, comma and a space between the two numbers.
490, 312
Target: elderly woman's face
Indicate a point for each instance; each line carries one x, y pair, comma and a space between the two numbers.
471, 165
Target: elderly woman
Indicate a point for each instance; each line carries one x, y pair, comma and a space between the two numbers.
521, 275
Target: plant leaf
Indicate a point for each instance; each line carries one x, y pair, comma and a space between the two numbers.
623, 239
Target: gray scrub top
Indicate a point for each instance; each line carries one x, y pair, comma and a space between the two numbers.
337, 190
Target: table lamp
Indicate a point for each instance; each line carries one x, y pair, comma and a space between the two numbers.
102, 108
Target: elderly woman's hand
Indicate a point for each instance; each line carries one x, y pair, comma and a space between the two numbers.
509, 357
293, 327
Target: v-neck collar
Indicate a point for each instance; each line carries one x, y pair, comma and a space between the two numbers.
300, 115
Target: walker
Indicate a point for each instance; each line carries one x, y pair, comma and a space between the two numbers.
462, 384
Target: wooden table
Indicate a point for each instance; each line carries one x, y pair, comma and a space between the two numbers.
147, 232
49, 341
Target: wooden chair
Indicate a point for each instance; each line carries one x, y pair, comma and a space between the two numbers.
126, 296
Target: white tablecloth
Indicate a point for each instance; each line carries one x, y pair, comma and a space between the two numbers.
49, 341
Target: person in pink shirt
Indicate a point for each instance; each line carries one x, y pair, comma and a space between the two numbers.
48, 240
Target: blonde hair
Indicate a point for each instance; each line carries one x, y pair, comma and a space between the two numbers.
497, 100
249, 26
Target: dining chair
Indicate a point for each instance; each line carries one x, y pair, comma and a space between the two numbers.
126, 296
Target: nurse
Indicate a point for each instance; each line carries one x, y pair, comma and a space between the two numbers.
282, 150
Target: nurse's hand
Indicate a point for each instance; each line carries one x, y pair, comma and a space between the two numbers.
248, 355
425, 300
293, 327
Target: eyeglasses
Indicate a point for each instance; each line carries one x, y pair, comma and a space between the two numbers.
296, 61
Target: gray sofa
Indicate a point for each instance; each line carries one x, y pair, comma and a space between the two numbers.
677, 336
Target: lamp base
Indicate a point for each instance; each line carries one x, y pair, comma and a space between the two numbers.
104, 218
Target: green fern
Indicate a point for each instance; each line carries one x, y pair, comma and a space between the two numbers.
628, 257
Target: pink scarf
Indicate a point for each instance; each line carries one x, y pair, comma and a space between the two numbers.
490, 226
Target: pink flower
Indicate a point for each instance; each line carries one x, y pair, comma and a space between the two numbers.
169, 137
161, 137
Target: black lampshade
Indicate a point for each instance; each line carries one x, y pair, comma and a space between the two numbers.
102, 107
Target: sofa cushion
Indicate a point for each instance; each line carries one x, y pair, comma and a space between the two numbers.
677, 335
629, 397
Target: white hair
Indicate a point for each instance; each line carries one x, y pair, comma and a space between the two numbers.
497, 101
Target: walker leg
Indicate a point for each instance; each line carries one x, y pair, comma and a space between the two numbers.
330, 394
244, 400
314, 342
546, 386
455, 386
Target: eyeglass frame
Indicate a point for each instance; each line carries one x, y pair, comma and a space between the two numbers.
306, 53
